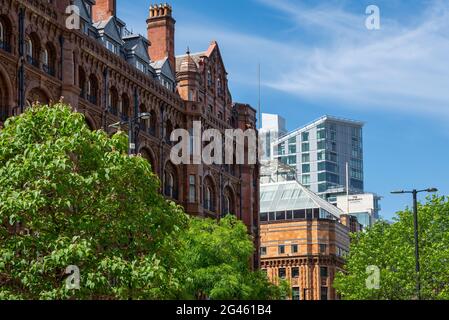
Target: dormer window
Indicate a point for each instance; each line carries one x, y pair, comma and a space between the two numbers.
166, 84
111, 47
140, 66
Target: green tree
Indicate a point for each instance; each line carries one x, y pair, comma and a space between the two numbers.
390, 247
70, 196
217, 257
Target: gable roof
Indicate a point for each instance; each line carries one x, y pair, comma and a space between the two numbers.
110, 28
84, 13
137, 45
199, 55
163, 67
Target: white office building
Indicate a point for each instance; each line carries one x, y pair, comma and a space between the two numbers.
365, 207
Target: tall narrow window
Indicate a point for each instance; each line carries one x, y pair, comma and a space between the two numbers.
92, 90
29, 49
281, 249
296, 294
113, 101
209, 78
45, 57
2, 33
125, 108
192, 189
295, 272
208, 199
169, 185
219, 86
48, 59
282, 274
227, 205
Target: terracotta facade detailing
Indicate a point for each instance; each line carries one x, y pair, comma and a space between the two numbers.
99, 82
306, 253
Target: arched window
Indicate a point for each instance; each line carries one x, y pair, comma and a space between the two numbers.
82, 82
48, 59
32, 50
153, 123
208, 198
113, 101
125, 111
45, 57
29, 47
92, 90
227, 205
228, 202
168, 131
5, 34
209, 195
170, 182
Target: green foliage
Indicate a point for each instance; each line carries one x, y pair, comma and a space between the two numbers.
69, 196
73, 197
217, 259
391, 249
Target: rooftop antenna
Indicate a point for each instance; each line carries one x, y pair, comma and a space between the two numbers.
259, 107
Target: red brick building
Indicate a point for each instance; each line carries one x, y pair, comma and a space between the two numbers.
106, 72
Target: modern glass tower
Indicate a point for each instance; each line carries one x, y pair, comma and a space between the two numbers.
321, 151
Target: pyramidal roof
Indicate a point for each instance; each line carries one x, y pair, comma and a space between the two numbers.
291, 195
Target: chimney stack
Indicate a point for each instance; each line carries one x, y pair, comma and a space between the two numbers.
161, 33
103, 10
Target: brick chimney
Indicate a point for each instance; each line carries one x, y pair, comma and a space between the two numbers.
103, 9
161, 33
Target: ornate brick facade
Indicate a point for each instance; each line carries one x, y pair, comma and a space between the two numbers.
306, 253
42, 60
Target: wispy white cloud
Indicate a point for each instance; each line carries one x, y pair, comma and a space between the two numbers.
398, 68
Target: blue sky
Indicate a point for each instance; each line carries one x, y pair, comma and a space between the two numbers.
318, 58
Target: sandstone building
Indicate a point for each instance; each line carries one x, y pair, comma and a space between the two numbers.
304, 239
109, 74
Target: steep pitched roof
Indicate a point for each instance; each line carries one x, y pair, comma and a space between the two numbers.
84, 13
196, 57
138, 45
163, 67
110, 28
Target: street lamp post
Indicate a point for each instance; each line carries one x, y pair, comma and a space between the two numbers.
416, 227
132, 134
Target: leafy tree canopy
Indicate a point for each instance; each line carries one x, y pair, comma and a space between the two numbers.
390, 248
70, 196
73, 197
217, 257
